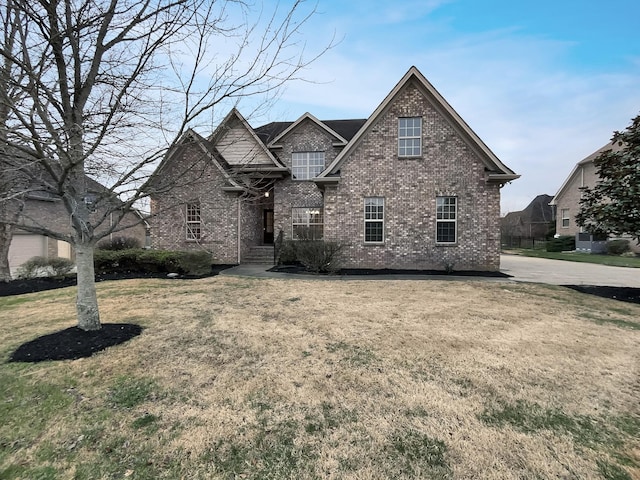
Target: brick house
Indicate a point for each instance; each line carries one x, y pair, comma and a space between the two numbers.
45, 211
411, 187
567, 200
522, 228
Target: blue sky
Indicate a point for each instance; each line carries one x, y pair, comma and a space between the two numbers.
544, 83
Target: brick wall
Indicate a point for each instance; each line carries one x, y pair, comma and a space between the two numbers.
201, 182
448, 167
584, 176
289, 193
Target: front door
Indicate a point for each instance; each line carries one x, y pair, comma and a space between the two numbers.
267, 227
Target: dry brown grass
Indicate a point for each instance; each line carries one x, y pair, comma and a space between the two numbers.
330, 379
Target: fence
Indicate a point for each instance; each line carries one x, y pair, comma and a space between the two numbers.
511, 241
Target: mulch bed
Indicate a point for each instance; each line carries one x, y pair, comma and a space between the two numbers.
73, 343
31, 285
390, 271
624, 294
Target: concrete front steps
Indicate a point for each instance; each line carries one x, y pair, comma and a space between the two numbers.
262, 254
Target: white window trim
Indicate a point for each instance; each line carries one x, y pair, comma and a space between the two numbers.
563, 218
447, 220
308, 223
412, 137
366, 220
307, 165
189, 235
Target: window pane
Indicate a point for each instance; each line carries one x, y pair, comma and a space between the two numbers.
306, 165
446, 232
373, 219
410, 136
373, 232
307, 223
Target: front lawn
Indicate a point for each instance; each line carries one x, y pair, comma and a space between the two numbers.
613, 260
302, 379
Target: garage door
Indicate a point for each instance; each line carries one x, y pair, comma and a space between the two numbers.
23, 247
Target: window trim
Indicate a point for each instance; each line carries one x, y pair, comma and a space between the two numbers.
308, 223
381, 220
307, 164
409, 137
563, 218
193, 210
447, 220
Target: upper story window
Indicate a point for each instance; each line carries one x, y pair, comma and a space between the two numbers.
374, 220
446, 219
307, 223
564, 215
194, 222
306, 165
410, 137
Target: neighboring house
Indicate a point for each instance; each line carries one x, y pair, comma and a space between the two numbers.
567, 200
411, 187
531, 223
42, 210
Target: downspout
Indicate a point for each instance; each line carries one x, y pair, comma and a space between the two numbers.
239, 228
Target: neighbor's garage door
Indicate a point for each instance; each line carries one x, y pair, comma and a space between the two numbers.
23, 247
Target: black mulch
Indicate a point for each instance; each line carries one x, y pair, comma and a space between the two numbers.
73, 343
390, 271
624, 294
19, 287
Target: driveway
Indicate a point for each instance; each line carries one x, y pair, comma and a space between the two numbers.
560, 272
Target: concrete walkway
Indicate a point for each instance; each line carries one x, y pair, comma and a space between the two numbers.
562, 272
521, 269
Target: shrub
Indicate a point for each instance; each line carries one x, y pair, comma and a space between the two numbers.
155, 261
288, 253
319, 256
562, 244
45, 267
119, 243
617, 247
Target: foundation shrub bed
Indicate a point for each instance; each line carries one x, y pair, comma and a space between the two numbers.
45, 267
119, 243
317, 256
154, 261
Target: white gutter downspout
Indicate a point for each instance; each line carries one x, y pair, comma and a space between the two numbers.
239, 228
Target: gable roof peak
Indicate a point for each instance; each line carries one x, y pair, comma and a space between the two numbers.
497, 170
302, 118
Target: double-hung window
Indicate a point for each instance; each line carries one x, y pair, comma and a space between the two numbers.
307, 223
374, 220
410, 137
446, 219
194, 222
564, 213
306, 165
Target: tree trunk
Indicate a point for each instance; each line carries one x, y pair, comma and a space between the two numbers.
6, 233
87, 300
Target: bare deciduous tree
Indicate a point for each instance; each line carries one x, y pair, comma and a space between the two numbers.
103, 88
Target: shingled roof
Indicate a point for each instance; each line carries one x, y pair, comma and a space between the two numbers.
345, 128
